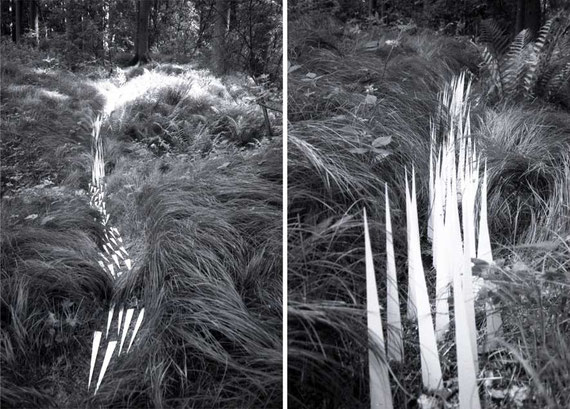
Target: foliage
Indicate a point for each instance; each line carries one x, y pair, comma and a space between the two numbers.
333, 174
201, 219
447, 16
525, 68
103, 30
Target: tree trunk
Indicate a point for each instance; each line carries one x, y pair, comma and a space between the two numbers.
106, 29
371, 7
35, 21
528, 16
18, 21
69, 20
220, 29
141, 40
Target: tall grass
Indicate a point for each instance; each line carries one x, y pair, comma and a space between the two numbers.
334, 172
201, 220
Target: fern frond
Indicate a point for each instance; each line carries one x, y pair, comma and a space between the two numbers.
537, 58
494, 37
559, 80
519, 43
544, 35
491, 64
515, 62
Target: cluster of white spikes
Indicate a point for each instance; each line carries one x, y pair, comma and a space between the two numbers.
454, 180
115, 260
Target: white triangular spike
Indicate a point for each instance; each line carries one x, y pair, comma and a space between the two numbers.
467, 377
116, 260
111, 269
120, 255
124, 251
431, 367
484, 251
411, 306
94, 350
440, 260
461, 162
380, 393
137, 326
431, 193
393, 319
101, 264
108, 355
107, 250
109, 319
128, 262
468, 297
113, 241
470, 183
120, 321
128, 317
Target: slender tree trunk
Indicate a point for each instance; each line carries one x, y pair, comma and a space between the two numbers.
35, 21
18, 21
220, 29
68, 12
106, 29
371, 7
141, 43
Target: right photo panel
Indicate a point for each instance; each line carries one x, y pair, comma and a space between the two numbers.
428, 204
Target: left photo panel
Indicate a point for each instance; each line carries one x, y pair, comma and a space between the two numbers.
141, 204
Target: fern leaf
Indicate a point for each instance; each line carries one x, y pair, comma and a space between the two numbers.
515, 62
493, 36
536, 58
558, 81
544, 35
491, 64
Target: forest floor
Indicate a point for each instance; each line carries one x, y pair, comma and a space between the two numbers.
360, 104
194, 186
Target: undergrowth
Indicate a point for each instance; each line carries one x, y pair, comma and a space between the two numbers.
360, 105
194, 186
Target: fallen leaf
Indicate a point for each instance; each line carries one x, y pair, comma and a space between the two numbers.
381, 141
293, 68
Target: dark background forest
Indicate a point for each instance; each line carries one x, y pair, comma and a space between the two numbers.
461, 17
244, 35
